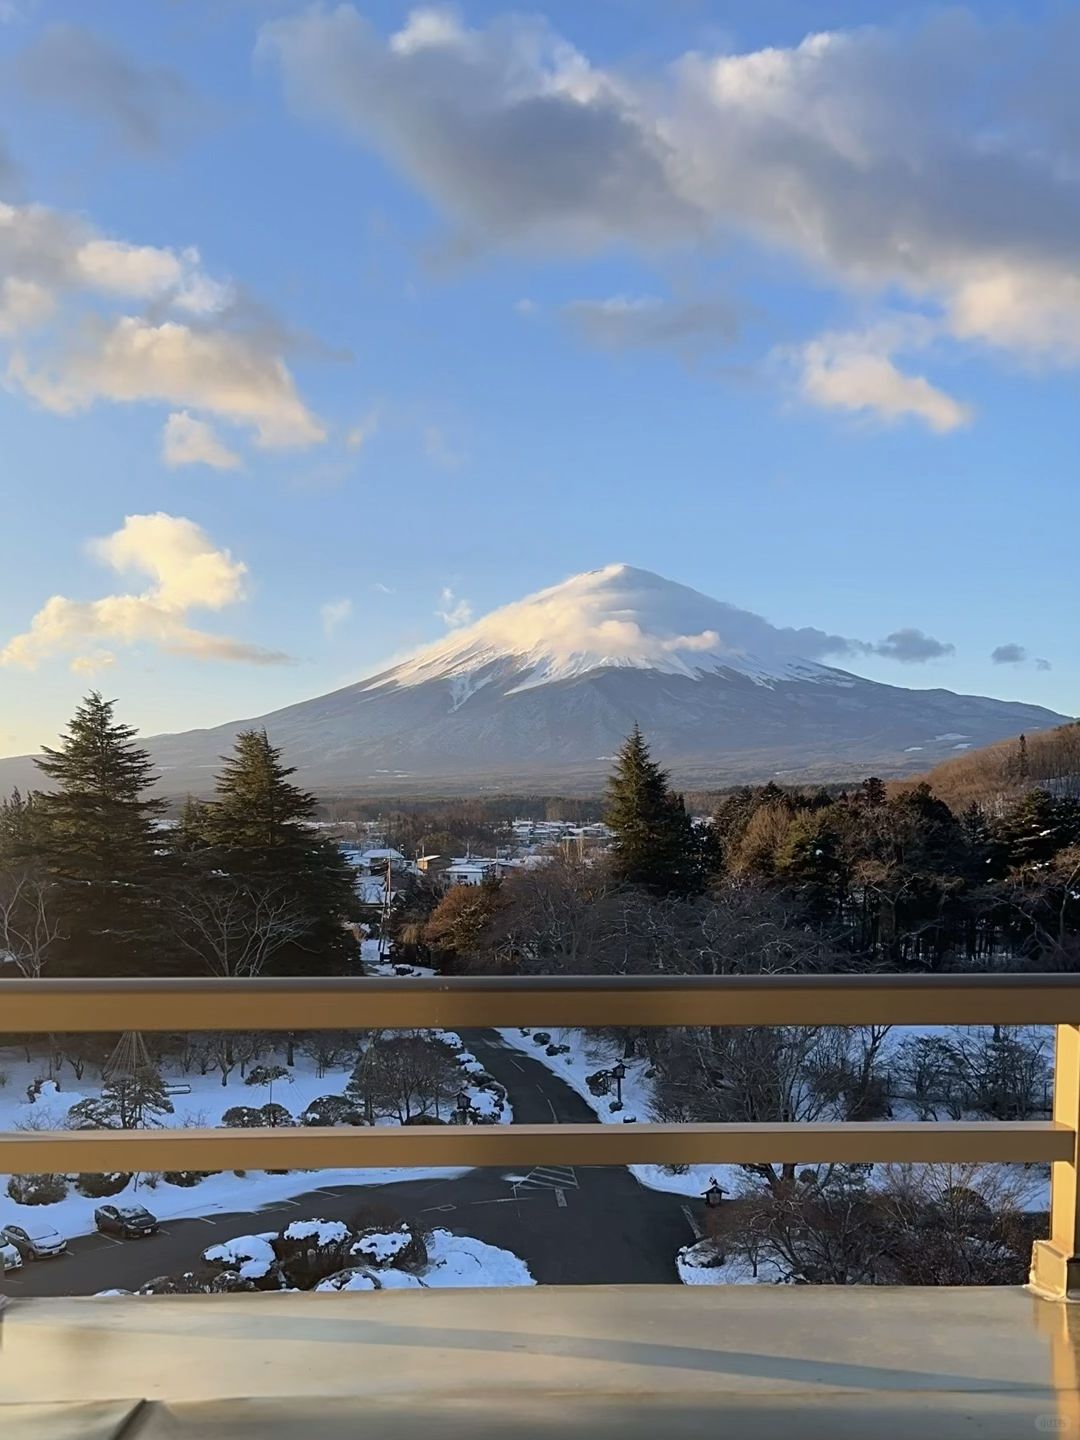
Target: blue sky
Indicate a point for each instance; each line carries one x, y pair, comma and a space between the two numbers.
368, 316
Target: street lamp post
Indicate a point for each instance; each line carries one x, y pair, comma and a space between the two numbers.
618, 1074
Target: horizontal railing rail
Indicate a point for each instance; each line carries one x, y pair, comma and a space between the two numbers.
471, 1003
56, 1006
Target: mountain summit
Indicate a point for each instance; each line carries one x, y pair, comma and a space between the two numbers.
540, 694
615, 617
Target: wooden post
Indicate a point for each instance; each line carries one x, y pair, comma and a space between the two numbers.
1055, 1263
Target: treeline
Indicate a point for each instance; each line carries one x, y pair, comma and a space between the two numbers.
788, 879
1049, 759
905, 880
95, 881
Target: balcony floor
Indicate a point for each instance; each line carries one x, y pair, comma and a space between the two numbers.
542, 1362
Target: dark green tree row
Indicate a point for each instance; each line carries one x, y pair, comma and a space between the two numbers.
242, 885
904, 880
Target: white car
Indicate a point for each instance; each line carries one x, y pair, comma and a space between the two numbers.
10, 1259
33, 1239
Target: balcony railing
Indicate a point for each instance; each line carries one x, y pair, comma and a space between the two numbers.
42, 1006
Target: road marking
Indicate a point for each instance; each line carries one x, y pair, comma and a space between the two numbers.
560, 1198
692, 1221
551, 1107
284, 1202
337, 1194
515, 1064
202, 1219
428, 1209
109, 1240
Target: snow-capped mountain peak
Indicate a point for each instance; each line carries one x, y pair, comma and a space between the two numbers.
618, 616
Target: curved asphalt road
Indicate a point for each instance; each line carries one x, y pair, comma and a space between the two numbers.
589, 1226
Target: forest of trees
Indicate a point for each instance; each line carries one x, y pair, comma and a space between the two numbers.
869, 878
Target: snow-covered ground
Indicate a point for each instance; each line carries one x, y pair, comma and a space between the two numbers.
588, 1054
230, 1191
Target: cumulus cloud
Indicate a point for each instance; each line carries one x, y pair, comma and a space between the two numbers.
852, 372
78, 70
933, 160
333, 614
911, 647
509, 129
70, 348
634, 322
131, 359
186, 572
187, 441
452, 609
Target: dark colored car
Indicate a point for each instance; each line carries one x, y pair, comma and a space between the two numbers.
127, 1221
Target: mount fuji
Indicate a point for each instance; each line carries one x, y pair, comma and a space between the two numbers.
540, 693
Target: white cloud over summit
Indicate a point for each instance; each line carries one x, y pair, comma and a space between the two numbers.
931, 160
185, 571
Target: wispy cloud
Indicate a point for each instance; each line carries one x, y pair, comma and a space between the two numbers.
1013, 654
78, 70
365, 430
453, 609
334, 614
187, 441
438, 448
624, 322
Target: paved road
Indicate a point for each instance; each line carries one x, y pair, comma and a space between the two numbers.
589, 1225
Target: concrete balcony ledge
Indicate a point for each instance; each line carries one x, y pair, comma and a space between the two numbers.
602, 1361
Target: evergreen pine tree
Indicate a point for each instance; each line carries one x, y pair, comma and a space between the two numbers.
258, 825
654, 841
95, 832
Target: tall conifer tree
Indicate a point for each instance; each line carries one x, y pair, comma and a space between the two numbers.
655, 844
258, 828
95, 832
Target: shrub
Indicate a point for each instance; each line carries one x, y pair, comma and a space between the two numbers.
541, 1037
37, 1189
3, 1077
93, 1114
98, 1187
242, 1117
332, 1110
275, 1117
398, 1246
185, 1178
599, 1083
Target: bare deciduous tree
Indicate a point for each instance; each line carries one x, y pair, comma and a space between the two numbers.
29, 925
232, 926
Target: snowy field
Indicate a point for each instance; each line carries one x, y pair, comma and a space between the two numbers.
231, 1191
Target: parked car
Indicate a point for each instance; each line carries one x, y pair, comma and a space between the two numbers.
10, 1259
127, 1221
34, 1239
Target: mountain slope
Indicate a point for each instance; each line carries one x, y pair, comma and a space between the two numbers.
543, 691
